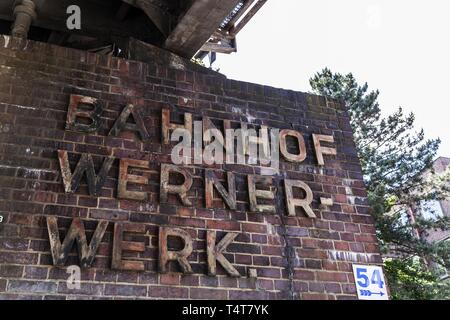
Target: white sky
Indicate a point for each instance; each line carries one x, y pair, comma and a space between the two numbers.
401, 47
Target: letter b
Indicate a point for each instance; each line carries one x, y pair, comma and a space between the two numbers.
78, 111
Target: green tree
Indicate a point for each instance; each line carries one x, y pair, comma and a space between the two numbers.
394, 157
408, 280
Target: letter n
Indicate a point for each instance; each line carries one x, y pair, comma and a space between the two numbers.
76, 232
212, 181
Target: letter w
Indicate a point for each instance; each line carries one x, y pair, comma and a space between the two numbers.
76, 233
86, 164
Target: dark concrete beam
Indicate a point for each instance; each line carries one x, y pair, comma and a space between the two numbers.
145, 52
98, 19
156, 11
197, 25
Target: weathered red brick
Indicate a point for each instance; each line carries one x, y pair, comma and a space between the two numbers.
168, 292
33, 189
32, 286
125, 290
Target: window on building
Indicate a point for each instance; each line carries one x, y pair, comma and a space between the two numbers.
431, 209
442, 272
404, 218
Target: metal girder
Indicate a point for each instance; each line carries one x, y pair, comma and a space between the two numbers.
197, 25
235, 26
184, 27
223, 40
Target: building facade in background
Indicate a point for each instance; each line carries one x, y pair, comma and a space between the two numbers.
436, 209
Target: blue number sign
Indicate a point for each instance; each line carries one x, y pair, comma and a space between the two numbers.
370, 283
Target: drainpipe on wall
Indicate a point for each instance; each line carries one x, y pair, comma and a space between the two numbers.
24, 13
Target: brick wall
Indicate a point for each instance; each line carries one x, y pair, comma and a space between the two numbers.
294, 257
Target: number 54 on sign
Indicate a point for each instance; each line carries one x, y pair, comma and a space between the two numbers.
370, 282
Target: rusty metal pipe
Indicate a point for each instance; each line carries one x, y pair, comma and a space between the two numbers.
24, 13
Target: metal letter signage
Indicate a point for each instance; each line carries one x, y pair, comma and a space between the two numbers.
215, 252
85, 165
175, 180
120, 245
125, 177
166, 255
122, 124
76, 234
75, 112
212, 181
